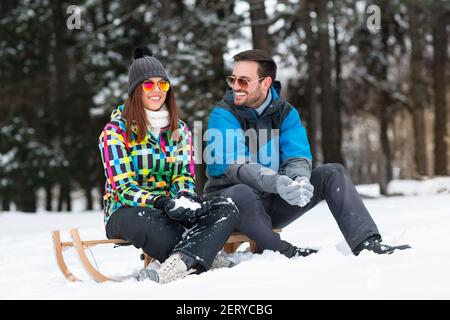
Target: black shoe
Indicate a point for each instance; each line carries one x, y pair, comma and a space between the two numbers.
303, 252
374, 244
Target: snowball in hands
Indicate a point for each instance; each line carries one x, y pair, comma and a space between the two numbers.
294, 192
303, 199
307, 190
288, 190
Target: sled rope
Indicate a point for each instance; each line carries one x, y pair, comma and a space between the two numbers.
93, 257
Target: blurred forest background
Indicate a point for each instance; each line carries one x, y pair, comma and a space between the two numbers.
376, 101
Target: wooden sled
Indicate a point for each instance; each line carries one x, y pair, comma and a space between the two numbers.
233, 243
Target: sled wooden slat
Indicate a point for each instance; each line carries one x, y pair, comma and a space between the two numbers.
91, 243
90, 269
58, 250
232, 244
237, 238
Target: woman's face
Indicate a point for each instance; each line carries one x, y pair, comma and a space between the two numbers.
152, 95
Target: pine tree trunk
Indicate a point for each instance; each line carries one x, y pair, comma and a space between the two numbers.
338, 73
311, 95
68, 198
331, 121
60, 63
382, 103
48, 197
59, 87
89, 200
64, 199
26, 200
420, 157
441, 134
60, 199
417, 90
5, 202
217, 52
385, 166
260, 32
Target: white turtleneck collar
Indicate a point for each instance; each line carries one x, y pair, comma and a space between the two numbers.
157, 119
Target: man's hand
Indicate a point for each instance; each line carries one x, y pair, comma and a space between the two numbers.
288, 190
297, 192
307, 190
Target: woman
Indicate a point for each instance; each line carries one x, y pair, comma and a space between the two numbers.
149, 196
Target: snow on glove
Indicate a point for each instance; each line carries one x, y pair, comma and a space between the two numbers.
181, 209
205, 206
191, 197
307, 190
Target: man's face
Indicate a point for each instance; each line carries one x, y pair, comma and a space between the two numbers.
254, 94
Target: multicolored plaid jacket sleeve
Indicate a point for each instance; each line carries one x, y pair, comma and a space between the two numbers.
120, 171
183, 174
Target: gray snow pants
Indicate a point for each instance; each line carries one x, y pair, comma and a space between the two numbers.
258, 215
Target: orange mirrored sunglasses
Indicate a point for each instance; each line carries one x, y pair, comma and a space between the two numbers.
149, 85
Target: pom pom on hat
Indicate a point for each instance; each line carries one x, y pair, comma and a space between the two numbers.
141, 51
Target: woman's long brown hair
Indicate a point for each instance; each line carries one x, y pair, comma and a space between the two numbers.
134, 112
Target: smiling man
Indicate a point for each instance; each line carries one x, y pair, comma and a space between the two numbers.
258, 155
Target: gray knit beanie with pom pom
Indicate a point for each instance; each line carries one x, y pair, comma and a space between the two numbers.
143, 67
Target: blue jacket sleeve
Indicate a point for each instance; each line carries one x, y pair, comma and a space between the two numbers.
293, 139
225, 143
296, 158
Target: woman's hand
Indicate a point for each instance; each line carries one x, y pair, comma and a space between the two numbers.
205, 205
180, 209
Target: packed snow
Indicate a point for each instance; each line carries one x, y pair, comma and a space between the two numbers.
436, 185
186, 203
28, 269
303, 200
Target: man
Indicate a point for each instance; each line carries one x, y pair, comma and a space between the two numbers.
259, 156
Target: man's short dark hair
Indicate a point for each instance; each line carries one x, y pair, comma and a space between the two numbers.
267, 67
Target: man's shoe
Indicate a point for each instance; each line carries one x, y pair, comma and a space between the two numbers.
303, 252
172, 269
374, 244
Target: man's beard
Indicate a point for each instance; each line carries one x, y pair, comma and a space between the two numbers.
248, 101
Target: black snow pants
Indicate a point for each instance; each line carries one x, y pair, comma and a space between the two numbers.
160, 236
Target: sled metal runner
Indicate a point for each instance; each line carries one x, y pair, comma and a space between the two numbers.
232, 244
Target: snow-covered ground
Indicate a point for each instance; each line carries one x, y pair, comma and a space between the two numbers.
28, 269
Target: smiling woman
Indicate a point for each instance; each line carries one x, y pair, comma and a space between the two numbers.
148, 162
